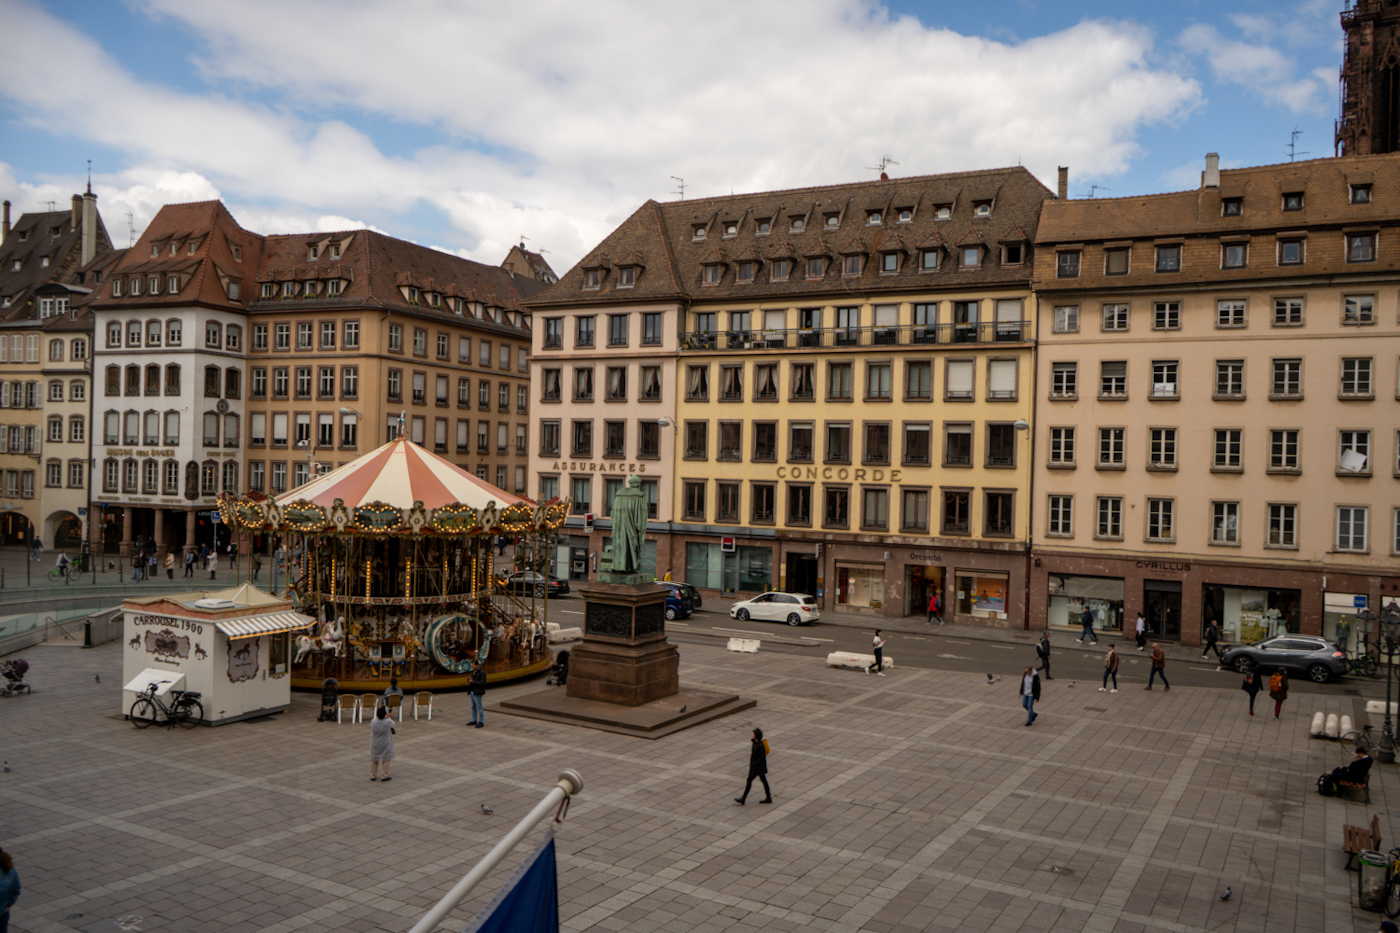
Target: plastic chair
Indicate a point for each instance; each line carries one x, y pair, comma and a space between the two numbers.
369, 702
423, 700
393, 702
347, 701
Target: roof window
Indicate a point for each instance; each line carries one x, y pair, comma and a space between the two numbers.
698, 231
981, 208
1361, 194
1293, 201
731, 229
943, 212
833, 221
1232, 207
874, 218
764, 227
798, 224
906, 215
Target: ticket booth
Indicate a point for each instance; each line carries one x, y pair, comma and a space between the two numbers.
233, 646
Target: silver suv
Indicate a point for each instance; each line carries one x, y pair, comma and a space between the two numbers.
1317, 657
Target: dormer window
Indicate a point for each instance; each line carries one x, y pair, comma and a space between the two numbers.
313, 253
17, 265
873, 218
943, 212
23, 235
698, 231
155, 285
889, 263
816, 268
1013, 254
731, 229
268, 290
135, 285
626, 276
764, 228
237, 253
928, 260
172, 284
309, 291
833, 221
906, 215
981, 208
155, 250
971, 257
851, 265
174, 248
782, 268
592, 278
713, 273
335, 250
412, 295
1293, 201
1169, 258
1232, 207
289, 289
333, 288
1361, 194
745, 271
116, 288
194, 245
798, 224
44, 262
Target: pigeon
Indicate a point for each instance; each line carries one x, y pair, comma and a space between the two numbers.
1226, 895
97, 678
1071, 683
487, 810
684, 707
7, 767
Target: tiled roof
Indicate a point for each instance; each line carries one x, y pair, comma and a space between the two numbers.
34, 237
667, 230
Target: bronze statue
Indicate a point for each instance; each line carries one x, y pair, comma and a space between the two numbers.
629, 527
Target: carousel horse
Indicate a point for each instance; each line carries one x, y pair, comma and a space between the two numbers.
332, 639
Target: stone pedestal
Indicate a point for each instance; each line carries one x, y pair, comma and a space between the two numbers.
624, 658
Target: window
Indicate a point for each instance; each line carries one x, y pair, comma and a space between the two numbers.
648, 440
877, 381
77, 429
395, 337
697, 383
551, 385
1360, 194
694, 501
1354, 452
55, 351
800, 441
838, 381
420, 341
780, 270
614, 438
1358, 309
1234, 255
1231, 207
1066, 319
1164, 379
1115, 317
1113, 379
765, 441
836, 511
799, 504
1115, 261
583, 336
1361, 247
1230, 313
503, 396
349, 382
1166, 315
918, 379
838, 442
971, 257
713, 273
1161, 449
79, 349
1293, 201
1283, 525
582, 445
76, 473
889, 263
1159, 519
697, 440
1001, 379
617, 383
303, 384
1064, 380
626, 276
1356, 378
816, 267
212, 379
304, 335
731, 383
483, 441
549, 438
583, 384
761, 499
592, 278
929, 260
617, 330
730, 445
999, 515
1059, 519
1169, 258
1224, 523
957, 445
1291, 252
765, 382
1229, 443
959, 381
744, 271
1062, 446
852, 265
1283, 451
876, 448
957, 512
1288, 312
351, 333
1287, 380
1351, 528
1111, 448
393, 385
1229, 379
874, 508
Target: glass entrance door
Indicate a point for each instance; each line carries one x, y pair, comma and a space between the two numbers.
1162, 601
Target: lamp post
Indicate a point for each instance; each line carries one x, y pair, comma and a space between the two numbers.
1389, 619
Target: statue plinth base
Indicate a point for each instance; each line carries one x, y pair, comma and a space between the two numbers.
624, 658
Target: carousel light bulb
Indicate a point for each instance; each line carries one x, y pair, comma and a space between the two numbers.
369, 576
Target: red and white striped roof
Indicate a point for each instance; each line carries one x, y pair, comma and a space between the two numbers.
398, 474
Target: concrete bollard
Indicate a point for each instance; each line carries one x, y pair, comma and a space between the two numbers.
746, 645
1330, 730
1318, 721
1345, 725
565, 634
854, 661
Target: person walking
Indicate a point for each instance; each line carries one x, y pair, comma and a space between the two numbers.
233, 555
1251, 686
189, 561
667, 577
758, 768
1212, 636
1030, 693
879, 646
1159, 668
381, 743
256, 561
935, 606
1141, 628
170, 565
1042, 651
1278, 690
1088, 622
478, 690
211, 562
1110, 668
9, 889
35, 546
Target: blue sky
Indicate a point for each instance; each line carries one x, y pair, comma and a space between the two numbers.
466, 125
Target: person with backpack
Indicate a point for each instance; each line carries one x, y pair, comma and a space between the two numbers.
1251, 687
1110, 668
1278, 690
935, 606
1159, 667
1042, 651
758, 768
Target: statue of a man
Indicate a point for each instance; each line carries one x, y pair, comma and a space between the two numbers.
629, 527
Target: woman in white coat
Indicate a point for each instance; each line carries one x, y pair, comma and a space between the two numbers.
381, 743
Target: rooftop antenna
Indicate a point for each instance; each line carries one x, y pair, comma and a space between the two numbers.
523, 238
885, 162
1293, 151
1093, 189
52, 206
681, 183
89, 188
131, 227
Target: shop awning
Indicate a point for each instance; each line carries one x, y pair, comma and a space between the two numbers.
1109, 589
269, 624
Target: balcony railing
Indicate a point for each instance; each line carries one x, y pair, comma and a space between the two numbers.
892, 336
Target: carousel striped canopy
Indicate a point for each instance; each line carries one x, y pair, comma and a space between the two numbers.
398, 474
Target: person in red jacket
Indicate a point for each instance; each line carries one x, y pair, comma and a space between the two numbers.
935, 606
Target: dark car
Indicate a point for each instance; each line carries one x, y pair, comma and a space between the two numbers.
678, 606
530, 583
1318, 658
685, 591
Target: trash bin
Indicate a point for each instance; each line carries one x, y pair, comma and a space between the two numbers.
1370, 879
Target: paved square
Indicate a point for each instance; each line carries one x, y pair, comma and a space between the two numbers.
917, 801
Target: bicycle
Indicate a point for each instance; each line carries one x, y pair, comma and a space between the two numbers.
1392, 885
59, 573
1362, 664
1361, 739
186, 710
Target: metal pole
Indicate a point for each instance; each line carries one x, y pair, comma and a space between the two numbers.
570, 783
1387, 749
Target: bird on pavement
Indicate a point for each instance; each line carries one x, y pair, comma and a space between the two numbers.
1226, 895
487, 810
97, 678
683, 708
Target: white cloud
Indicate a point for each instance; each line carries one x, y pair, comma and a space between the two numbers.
1261, 69
558, 124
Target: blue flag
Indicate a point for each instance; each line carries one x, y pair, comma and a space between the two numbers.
529, 900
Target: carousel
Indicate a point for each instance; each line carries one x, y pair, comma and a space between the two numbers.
405, 560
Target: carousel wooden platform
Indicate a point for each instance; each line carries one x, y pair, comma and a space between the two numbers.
362, 680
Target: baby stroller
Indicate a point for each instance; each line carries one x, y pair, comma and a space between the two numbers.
330, 698
559, 673
14, 672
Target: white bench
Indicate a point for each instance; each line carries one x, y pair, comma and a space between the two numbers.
854, 661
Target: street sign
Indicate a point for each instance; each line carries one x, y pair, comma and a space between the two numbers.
214, 517
1359, 602
82, 511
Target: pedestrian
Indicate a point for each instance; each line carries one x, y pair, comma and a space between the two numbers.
1278, 690
879, 646
1141, 629
1030, 692
1110, 668
35, 547
1251, 687
233, 555
1088, 621
381, 743
758, 768
189, 561
152, 567
204, 557
9, 888
667, 577
257, 564
478, 690
935, 606
1159, 668
211, 563
170, 565
1042, 651
1212, 636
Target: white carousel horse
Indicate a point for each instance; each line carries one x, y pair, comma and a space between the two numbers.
332, 639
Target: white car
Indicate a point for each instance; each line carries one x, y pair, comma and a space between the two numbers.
792, 608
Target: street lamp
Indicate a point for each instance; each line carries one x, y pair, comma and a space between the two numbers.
1389, 619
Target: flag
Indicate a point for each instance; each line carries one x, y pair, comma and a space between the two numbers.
529, 900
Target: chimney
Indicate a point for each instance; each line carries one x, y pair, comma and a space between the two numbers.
77, 217
5, 231
1064, 183
1211, 178
88, 242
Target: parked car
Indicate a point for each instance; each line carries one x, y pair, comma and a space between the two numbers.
529, 582
792, 608
677, 606
685, 589
1318, 658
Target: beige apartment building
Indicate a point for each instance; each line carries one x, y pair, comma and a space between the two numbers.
1218, 403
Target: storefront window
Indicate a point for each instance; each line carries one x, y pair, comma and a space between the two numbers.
1247, 615
755, 569
1071, 595
1339, 621
982, 594
703, 565
921, 581
860, 585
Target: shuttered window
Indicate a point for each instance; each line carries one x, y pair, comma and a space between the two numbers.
1001, 379
960, 375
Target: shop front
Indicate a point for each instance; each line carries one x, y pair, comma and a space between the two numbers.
1072, 595
1249, 614
728, 567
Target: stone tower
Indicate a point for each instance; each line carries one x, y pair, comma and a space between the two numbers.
1370, 92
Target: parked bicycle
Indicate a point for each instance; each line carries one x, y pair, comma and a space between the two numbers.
1361, 738
1392, 885
1363, 664
184, 709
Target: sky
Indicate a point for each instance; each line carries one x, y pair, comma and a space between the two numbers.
468, 125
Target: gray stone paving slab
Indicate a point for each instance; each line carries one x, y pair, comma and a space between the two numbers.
916, 802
